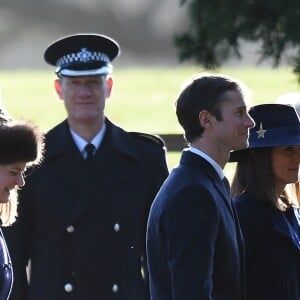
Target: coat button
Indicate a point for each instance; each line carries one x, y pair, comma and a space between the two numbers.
70, 229
117, 227
68, 287
6, 267
115, 288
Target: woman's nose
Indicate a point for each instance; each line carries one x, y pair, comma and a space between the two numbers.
20, 180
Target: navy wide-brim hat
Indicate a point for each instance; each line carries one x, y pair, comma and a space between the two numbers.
275, 125
85, 54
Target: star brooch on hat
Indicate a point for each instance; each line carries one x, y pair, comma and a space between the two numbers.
261, 132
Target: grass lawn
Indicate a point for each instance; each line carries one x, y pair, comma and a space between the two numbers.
142, 99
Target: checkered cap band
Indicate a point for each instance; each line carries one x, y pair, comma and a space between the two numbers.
82, 56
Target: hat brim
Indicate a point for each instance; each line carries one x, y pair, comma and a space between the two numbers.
236, 156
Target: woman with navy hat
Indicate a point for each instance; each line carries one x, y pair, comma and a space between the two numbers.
266, 191
21, 146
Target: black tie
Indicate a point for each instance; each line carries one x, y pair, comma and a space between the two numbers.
89, 149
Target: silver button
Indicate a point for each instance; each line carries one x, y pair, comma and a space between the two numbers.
6, 267
115, 288
70, 229
68, 287
117, 227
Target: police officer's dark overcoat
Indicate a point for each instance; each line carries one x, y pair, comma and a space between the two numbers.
83, 228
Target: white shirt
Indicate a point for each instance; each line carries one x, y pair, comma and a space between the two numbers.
81, 143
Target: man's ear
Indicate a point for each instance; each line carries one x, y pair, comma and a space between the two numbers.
57, 86
109, 85
205, 118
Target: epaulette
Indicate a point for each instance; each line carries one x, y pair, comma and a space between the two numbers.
150, 137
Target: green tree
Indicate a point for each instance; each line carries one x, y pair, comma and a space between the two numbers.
216, 28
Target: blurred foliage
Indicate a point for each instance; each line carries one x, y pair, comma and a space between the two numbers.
216, 28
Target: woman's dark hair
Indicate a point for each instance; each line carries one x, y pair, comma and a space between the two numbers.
20, 141
254, 175
203, 93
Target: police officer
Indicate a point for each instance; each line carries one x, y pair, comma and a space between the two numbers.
83, 216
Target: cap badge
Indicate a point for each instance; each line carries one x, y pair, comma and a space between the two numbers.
84, 55
261, 132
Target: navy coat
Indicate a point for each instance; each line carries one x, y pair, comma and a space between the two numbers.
272, 251
194, 244
6, 272
83, 228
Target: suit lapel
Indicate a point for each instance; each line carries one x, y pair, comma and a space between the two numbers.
283, 227
91, 184
197, 161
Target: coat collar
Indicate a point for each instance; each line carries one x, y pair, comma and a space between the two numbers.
59, 140
65, 162
195, 161
283, 227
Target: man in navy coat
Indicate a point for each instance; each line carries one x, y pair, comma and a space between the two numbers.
82, 221
194, 244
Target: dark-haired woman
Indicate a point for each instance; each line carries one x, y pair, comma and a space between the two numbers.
21, 145
266, 189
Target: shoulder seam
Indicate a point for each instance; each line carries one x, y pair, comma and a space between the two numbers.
150, 137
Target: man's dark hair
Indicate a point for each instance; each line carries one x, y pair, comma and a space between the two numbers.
203, 93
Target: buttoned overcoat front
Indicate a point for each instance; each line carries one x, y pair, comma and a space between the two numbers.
82, 227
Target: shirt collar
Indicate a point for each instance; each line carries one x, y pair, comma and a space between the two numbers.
81, 143
215, 165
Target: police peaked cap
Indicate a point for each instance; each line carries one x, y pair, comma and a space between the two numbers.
82, 55
275, 125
